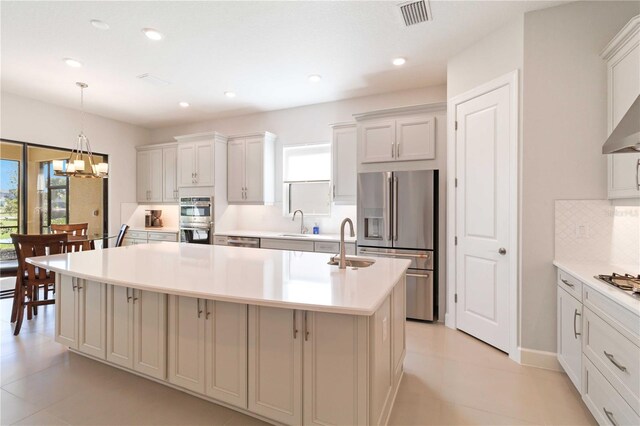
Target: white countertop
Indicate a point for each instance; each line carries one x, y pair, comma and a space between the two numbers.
154, 229
287, 279
290, 236
586, 272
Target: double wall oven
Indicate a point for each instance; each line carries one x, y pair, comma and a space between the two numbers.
196, 220
397, 216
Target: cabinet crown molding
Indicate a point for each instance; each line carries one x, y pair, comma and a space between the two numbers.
253, 134
411, 109
628, 31
342, 124
219, 137
156, 146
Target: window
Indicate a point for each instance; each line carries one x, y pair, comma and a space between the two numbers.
54, 197
9, 200
307, 179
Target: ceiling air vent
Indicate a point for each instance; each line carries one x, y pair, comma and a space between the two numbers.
152, 79
415, 12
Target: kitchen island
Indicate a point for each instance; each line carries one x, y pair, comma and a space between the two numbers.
278, 335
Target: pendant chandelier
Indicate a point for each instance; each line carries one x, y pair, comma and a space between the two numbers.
76, 165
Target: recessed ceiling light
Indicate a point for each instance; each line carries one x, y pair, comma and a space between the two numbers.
314, 78
184, 104
99, 24
72, 62
152, 34
399, 61
230, 94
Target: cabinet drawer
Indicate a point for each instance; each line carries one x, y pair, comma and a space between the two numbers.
606, 405
294, 245
327, 247
623, 320
334, 248
615, 356
220, 240
138, 235
163, 236
572, 285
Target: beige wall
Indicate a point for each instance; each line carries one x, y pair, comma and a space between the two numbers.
28, 120
565, 126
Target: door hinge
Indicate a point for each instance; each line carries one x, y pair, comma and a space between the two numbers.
456, 125
456, 182
455, 239
455, 298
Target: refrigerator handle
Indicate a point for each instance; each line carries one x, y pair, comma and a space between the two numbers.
389, 207
395, 208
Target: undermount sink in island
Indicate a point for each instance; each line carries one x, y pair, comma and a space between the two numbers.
279, 335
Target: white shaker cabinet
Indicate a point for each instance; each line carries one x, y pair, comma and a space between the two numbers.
251, 169
275, 363
344, 162
196, 159
149, 175
81, 315
623, 73
570, 336
136, 330
409, 135
170, 174
208, 348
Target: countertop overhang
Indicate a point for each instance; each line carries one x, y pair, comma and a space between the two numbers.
286, 279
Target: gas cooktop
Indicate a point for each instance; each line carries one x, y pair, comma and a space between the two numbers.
628, 283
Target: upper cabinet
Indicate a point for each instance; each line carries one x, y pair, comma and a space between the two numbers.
156, 174
196, 159
399, 134
623, 74
344, 153
251, 169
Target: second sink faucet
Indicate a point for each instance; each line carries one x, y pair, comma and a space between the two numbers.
343, 254
303, 230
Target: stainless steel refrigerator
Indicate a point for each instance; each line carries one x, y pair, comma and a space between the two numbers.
397, 216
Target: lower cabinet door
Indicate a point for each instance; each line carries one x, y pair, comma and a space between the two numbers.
398, 321
226, 352
149, 333
335, 369
120, 326
570, 336
275, 363
186, 342
66, 311
92, 318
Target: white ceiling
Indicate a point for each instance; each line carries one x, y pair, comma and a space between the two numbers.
263, 51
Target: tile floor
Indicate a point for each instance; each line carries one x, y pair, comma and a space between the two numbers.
450, 379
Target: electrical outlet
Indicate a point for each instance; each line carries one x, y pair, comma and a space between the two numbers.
582, 231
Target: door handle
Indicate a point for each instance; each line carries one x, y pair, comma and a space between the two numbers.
614, 362
395, 207
502, 251
609, 415
575, 331
389, 212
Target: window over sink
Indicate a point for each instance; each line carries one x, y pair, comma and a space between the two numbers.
307, 179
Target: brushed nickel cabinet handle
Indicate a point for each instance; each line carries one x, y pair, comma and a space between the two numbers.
306, 327
128, 297
567, 283
638, 175
198, 308
609, 415
398, 150
393, 150
614, 362
575, 331
295, 329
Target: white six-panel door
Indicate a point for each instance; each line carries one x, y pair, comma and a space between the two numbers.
483, 216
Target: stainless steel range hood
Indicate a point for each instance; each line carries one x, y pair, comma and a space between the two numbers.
626, 136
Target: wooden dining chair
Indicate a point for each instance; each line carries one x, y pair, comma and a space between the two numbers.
30, 279
75, 229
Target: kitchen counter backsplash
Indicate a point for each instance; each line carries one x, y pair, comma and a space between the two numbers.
597, 231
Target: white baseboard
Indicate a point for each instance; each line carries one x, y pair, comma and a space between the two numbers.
540, 359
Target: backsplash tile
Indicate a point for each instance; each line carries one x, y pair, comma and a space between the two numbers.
597, 231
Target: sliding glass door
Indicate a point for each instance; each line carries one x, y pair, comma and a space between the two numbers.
11, 164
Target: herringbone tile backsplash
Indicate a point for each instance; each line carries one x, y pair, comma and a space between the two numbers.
597, 231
